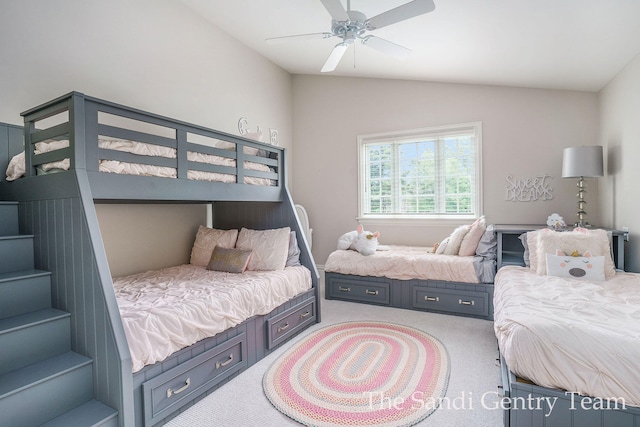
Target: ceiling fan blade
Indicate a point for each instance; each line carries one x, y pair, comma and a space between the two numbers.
335, 9
400, 13
334, 58
386, 47
298, 37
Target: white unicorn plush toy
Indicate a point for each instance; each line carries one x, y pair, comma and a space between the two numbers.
359, 240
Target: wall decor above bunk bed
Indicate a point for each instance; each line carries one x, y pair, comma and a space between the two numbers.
455, 278
82, 151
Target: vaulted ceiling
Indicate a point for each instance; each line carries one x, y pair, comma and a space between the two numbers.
562, 44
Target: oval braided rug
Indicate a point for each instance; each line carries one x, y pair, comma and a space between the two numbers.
360, 374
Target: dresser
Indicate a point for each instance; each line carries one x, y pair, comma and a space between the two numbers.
511, 251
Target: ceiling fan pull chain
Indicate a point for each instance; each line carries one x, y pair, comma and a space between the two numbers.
354, 56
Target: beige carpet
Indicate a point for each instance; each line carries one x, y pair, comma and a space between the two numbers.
469, 401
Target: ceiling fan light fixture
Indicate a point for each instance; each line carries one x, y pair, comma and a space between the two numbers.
334, 58
349, 25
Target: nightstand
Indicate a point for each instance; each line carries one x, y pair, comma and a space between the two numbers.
511, 251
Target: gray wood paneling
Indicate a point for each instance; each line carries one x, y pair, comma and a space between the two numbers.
63, 245
11, 143
265, 215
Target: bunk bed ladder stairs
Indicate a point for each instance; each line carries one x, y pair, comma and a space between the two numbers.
42, 382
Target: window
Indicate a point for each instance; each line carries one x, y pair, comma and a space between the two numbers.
421, 173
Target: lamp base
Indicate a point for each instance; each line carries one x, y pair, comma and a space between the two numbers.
581, 214
582, 225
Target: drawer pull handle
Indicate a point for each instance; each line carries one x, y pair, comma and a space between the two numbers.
472, 302
368, 292
305, 314
171, 392
225, 363
283, 328
428, 298
341, 289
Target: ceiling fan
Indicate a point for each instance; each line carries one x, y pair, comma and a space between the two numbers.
350, 25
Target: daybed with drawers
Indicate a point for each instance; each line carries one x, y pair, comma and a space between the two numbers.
81, 151
417, 278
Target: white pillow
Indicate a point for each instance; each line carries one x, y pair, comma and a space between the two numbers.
207, 239
442, 246
455, 240
16, 167
542, 242
577, 267
270, 248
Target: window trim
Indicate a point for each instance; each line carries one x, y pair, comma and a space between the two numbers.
399, 219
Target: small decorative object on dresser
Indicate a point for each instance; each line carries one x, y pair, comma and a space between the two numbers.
556, 222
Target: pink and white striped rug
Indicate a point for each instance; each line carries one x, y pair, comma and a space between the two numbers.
360, 374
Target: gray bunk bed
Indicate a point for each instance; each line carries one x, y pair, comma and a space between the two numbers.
58, 209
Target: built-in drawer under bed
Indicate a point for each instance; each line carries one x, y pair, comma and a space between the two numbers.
167, 388
464, 299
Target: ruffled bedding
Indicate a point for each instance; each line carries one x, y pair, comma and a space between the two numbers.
404, 263
570, 334
169, 309
16, 168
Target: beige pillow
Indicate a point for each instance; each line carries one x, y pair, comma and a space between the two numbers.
472, 238
207, 239
455, 240
270, 247
547, 241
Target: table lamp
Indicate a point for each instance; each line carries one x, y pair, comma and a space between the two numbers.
582, 162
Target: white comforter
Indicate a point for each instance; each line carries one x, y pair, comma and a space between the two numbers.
169, 309
404, 263
16, 168
571, 334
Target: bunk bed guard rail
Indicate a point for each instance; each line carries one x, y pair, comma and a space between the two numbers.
86, 132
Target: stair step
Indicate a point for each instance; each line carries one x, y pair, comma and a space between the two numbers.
92, 413
16, 253
9, 218
40, 392
24, 291
33, 337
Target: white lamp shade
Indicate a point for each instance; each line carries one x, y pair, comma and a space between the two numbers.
583, 161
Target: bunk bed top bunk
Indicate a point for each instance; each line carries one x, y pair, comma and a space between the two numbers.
129, 154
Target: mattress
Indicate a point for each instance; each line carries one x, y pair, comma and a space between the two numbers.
404, 263
169, 309
16, 167
569, 334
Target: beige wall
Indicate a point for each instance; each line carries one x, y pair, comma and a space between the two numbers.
145, 237
155, 55
620, 133
524, 132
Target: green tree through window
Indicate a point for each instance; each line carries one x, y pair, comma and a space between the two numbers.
421, 173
